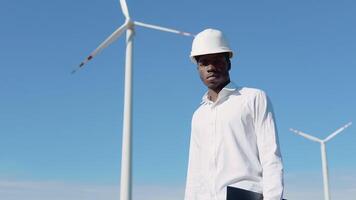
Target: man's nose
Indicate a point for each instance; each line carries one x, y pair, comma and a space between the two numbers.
210, 67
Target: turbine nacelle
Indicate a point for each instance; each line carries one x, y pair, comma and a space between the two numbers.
128, 24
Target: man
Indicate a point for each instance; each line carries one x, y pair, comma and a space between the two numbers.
234, 145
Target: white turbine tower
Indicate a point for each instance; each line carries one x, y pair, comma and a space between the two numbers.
323, 154
128, 26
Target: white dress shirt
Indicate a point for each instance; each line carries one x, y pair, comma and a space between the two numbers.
234, 143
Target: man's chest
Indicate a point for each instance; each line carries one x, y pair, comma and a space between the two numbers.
233, 112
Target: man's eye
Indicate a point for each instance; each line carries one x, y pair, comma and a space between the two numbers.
203, 63
218, 62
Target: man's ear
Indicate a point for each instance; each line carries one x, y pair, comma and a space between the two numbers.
227, 57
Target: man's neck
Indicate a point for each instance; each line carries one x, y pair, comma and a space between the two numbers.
213, 94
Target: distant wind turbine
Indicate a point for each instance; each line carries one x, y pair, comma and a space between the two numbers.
128, 26
323, 154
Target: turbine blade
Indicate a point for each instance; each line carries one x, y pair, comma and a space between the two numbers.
337, 132
160, 28
103, 45
124, 9
310, 137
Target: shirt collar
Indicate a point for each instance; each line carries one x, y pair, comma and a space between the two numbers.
225, 92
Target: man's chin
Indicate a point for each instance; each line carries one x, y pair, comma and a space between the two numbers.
212, 85
215, 85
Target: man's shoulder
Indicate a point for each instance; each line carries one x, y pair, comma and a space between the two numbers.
250, 91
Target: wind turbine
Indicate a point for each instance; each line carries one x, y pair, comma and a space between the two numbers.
323, 154
126, 157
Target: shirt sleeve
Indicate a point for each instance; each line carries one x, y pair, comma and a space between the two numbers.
192, 180
268, 148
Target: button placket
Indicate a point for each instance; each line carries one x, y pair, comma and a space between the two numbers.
214, 148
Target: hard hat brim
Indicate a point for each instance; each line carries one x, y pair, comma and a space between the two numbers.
192, 56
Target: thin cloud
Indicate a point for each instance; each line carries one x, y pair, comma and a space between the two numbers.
44, 190
158, 192
309, 186
306, 186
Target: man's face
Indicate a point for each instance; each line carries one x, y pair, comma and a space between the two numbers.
214, 70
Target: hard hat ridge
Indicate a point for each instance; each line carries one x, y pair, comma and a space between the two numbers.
209, 41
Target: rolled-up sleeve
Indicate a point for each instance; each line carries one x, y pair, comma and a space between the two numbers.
268, 148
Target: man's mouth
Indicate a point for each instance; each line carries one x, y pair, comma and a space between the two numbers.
211, 77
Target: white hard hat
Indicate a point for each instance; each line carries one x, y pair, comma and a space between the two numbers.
209, 41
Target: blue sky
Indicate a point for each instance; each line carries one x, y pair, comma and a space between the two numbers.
61, 133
